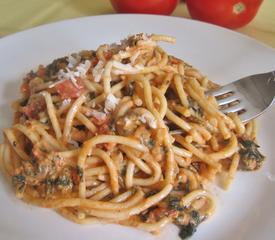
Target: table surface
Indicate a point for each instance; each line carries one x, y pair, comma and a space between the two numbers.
19, 15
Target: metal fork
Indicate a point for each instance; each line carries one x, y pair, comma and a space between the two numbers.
249, 96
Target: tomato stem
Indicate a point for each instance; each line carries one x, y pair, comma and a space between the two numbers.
238, 8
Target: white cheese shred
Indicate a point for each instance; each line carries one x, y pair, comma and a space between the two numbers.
110, 103
68, 74
98, 71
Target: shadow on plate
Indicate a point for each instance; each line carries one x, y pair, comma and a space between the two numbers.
10, 94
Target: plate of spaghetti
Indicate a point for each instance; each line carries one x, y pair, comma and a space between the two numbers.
114, 130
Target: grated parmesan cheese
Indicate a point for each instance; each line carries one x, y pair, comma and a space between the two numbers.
98, 71
81, 71
123, 54
68, 75
65, 102
147, 118
127, 121
83, 68
73, 142
121, 66
110, 103
98, 115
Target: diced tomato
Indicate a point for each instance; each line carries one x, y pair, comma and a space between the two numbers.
75, 176
67, 89
94, 62
78, 135
34, 107
104, 129
25, 89
99, 121
108, 146
172, 213
158, 213
37, 153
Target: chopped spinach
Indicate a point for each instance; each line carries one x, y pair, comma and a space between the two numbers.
92, 95
179, 186
187, 230
24, 102
80, 127
31, 74
33, 160
18, 179
49, 186
250, 157
174, 203
80, 173
150, 143
112, 125
52, 69
187, 187
195, 215
63, 181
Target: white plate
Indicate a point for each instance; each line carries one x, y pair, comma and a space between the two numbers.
246, 211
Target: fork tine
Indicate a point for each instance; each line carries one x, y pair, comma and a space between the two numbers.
229, 99
222, 90
251, 95
235, 108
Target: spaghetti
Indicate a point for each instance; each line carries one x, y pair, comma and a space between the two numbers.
124, 134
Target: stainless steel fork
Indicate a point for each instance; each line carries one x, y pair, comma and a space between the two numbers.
249, 96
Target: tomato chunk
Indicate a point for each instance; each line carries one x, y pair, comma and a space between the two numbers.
67, 89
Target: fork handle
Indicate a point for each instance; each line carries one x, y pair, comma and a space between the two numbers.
270, 82
265, 83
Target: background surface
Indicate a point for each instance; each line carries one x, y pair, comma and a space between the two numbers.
17, 15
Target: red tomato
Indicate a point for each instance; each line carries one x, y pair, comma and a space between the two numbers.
162, 7
226, 13
67, 89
